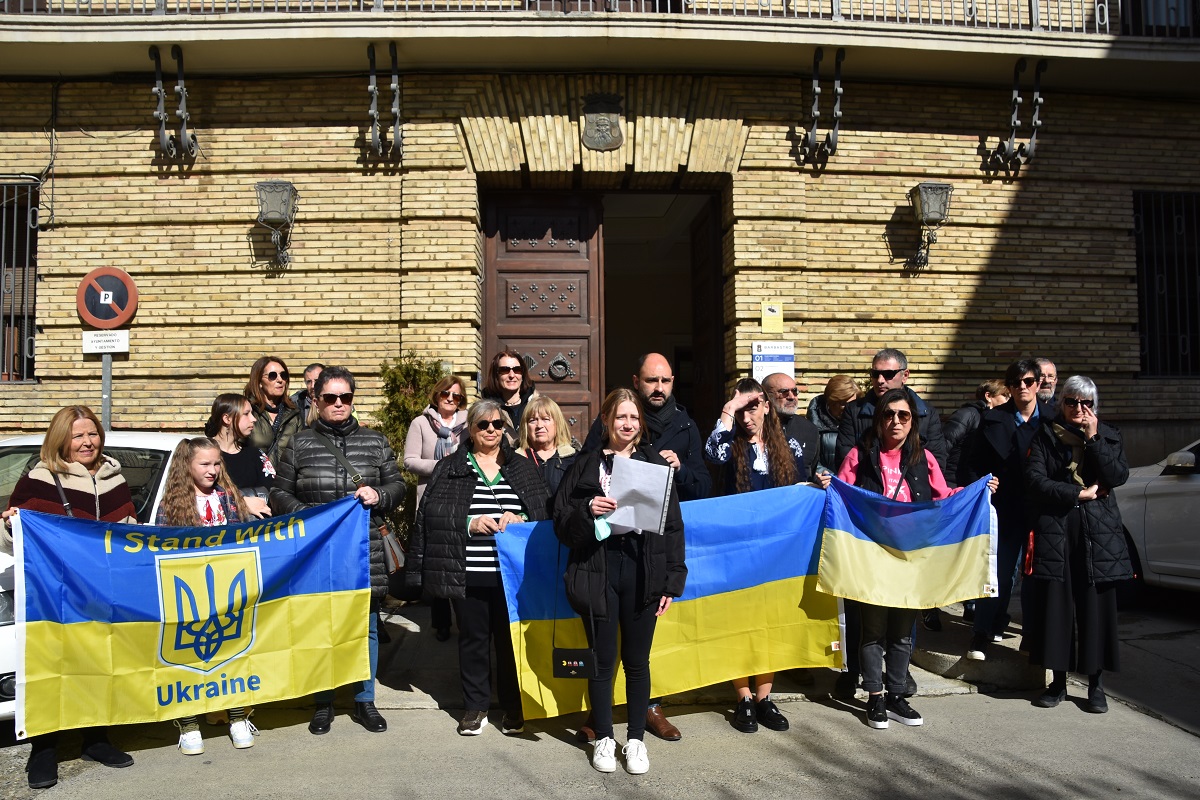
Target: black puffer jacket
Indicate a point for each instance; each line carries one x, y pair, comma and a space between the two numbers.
1055, 497
437, 556
859, 417
309, 475
827, 429
959, 432
587, 566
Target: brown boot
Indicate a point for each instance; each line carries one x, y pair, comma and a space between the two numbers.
658, 724
587, 731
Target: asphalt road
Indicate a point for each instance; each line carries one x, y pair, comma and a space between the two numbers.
972, 745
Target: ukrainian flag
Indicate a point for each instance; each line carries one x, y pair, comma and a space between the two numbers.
908, 555
750, 605
127, 623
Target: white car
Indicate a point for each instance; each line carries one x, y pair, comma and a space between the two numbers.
1160, 506
144, 459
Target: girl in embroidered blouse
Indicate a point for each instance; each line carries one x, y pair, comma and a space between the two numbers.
749, 442
891, 461
199, 492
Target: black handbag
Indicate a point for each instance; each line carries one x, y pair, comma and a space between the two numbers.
571, 662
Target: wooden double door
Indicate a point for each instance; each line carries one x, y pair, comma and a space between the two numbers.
543, 295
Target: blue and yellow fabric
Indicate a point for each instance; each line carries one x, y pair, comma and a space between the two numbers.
128, 623
908, 555
750, 605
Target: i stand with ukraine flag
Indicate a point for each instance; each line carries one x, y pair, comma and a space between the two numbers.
766, 571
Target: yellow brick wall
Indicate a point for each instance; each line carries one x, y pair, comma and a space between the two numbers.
389, 255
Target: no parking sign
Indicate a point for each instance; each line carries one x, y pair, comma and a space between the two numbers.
107, 298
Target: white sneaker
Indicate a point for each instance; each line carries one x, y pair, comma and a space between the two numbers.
191, 743
242, 732
636, 760
604, 754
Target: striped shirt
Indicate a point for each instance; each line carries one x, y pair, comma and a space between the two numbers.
490, 500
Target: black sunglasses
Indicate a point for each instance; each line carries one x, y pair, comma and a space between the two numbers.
330, 398
272, 375
886, 374
494, 424
1029, 382
1075, 402
503, 370
785, 392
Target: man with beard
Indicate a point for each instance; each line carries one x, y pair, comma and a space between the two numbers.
784, 397
674, 436
1048, 386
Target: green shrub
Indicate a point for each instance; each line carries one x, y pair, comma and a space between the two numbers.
407, 384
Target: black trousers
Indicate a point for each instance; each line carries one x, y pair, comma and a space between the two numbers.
439, 613
483, 622
631, 624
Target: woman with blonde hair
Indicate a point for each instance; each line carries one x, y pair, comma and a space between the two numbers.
545, 439
825, 411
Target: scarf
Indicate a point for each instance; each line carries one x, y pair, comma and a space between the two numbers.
448, 437
657, 419
343, 428
1072, 438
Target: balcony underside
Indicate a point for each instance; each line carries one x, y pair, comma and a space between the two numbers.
242, 44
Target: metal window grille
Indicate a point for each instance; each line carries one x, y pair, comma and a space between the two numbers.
1167, 235
18, 279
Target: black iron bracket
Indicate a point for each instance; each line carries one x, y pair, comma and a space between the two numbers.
811, 151
165, 144
186, 139
1010, 155
378, 145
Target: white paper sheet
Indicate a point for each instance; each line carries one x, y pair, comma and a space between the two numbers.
642, 491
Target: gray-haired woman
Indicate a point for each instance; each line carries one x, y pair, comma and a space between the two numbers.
472, 496
1079, 547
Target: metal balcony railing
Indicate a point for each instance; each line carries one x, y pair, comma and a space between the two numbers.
1151, 18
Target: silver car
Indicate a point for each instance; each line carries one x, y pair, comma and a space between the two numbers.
1160, 506
144, 459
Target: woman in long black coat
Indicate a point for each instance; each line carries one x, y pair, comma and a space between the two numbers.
1079, 546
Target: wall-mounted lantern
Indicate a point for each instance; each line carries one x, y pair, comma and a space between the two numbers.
931, 205
277, 202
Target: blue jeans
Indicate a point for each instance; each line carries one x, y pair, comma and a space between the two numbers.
366, 689
991, 613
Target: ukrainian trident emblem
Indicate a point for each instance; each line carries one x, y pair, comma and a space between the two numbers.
208, 605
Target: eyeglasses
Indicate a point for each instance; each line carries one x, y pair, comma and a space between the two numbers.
795, 392
503, 370
886, 374
330, 398
449, 395
898, 414
272, 375
1029, 382
494, 424
1076, 402
1049, 378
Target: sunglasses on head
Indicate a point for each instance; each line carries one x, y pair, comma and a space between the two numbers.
1029, 382
494, 424
886, 374
1076, 402
272, 375
503, 370
897, 413
449, 395
330, 398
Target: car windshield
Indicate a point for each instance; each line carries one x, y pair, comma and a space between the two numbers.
142, 468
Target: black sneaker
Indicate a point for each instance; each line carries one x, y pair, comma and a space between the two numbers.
1096, 703
744, 717
769, 715
877, 711
899, 710
977, 650
1051, 697
931, 620
512, 724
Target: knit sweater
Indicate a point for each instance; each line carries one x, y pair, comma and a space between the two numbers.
103, 496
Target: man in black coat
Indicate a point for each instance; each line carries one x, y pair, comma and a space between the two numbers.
1001, 448
674, 436
785, 399
889, 370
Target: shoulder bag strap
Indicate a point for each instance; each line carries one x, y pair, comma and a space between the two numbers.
354, 474
62, 496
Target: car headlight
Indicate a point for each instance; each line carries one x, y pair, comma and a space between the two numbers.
8, 607
8, 688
